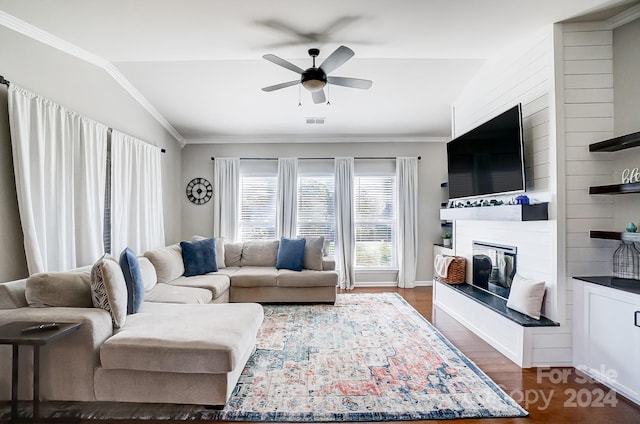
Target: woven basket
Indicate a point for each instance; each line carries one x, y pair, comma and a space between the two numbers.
456, 272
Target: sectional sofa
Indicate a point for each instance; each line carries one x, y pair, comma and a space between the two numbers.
185, 344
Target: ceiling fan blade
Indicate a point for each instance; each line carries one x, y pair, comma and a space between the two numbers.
281, 85
284, 63
350, 82
336, 59
318, 96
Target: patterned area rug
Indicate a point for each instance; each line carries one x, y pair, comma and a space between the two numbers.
369, 357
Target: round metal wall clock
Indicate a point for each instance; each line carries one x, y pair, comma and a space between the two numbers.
199, 191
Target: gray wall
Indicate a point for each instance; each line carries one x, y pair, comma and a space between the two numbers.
13, 263
626, 84
196, 162
90, 91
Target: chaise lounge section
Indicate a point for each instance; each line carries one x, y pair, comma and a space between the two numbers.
185, 344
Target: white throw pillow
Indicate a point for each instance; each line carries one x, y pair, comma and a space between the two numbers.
526, 296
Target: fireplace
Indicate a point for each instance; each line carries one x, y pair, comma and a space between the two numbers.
493, 267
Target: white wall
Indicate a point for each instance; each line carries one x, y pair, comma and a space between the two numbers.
90, 91
432, 171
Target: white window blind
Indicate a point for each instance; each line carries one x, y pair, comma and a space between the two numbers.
316, 208
375, 221
257, 207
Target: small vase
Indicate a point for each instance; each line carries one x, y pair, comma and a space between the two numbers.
631, 227
446, 242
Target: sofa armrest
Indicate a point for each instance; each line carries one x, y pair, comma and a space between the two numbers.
328, 263
68, 364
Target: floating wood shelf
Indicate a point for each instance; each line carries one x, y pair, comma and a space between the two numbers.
615, 144
614, 235
616, 189
537, 212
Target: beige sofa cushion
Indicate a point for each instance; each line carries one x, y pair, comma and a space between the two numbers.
148, 271
248, 276
215, 282
307, 278
12, 294
260, 253
72, 289
167, 293
167, 262
184, 338
232, 254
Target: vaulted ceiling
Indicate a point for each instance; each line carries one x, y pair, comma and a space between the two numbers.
199, 62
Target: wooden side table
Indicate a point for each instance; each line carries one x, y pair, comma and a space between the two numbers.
12, 334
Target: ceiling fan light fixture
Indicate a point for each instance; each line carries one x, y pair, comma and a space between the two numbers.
313, 79
314, 85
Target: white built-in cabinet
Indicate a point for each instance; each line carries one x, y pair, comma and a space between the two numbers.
606, 336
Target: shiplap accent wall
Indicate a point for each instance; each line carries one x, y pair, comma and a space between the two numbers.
522, 75
527, 75
587, 78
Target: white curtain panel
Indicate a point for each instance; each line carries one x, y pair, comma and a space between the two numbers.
137, 219
226, 198
60, 166
287, 206
345, 222
407, 207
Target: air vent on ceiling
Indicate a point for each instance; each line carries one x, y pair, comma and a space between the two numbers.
315, 120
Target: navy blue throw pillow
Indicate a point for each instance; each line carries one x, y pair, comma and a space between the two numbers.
199, 257
291, 254
133, 279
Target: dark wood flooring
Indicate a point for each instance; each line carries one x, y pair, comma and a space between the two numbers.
547, 396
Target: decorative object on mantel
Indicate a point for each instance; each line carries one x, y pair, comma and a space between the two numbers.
522, 200
531, 212
446, 239
631, 227
626, 261
450, 269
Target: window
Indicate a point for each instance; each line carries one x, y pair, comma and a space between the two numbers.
316, 208
375, 221
257, 207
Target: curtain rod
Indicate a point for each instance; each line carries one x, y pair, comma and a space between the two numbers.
5, 82
110, 131
360, 158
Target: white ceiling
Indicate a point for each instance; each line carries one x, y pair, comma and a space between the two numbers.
199, 62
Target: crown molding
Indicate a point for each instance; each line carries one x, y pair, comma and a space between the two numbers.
324, 138
624, 17
25, 28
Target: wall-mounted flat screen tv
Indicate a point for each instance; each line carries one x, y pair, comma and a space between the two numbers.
489, 159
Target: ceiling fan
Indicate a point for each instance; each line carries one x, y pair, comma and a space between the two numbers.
314, 79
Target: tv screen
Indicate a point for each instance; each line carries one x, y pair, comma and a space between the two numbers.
488, 159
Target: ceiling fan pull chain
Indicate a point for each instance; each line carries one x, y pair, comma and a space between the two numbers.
299, 95
328, 94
